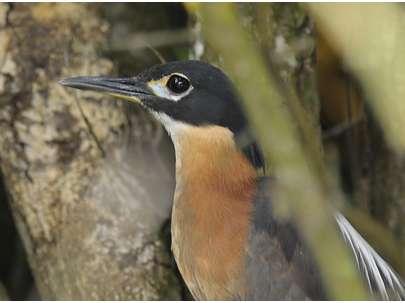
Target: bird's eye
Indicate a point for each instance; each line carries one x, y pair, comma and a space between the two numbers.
178, 84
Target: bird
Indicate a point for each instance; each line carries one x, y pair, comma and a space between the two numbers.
226, 240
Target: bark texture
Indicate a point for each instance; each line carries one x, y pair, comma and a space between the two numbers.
88, 189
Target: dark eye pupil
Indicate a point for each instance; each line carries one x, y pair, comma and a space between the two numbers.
178, 84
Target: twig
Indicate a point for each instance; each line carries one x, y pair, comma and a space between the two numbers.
156, 52
89, 127
340, 128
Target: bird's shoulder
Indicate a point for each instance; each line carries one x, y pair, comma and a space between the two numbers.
279, 265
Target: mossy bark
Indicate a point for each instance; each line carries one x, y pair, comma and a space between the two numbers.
88, 190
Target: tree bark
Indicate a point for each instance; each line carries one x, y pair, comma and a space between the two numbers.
88, 189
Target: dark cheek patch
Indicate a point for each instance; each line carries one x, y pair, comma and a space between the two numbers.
204, 109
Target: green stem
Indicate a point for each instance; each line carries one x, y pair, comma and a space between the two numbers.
300, 191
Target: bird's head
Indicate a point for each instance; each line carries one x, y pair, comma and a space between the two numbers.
181, 93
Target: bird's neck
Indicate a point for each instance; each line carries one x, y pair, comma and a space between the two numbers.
208, 154
215, 185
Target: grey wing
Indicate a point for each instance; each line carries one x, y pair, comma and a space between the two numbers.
279, 266
382, 280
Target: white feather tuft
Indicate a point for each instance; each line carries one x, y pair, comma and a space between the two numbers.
378, 273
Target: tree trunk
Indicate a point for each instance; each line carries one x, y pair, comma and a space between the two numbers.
88, 188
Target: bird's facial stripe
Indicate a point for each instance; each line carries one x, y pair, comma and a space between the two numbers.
160, 89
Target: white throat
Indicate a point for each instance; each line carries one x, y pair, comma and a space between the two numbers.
173, 127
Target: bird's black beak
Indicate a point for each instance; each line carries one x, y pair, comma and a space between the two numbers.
130, 89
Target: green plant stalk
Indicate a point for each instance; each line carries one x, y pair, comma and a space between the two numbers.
370, 38
298, 188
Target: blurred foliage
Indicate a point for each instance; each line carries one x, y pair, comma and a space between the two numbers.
360, 83
300, 190
162, 28
370, 38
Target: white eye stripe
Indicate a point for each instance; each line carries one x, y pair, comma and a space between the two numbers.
160, 89
178, 74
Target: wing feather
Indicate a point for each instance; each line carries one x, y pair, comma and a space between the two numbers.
381, 278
